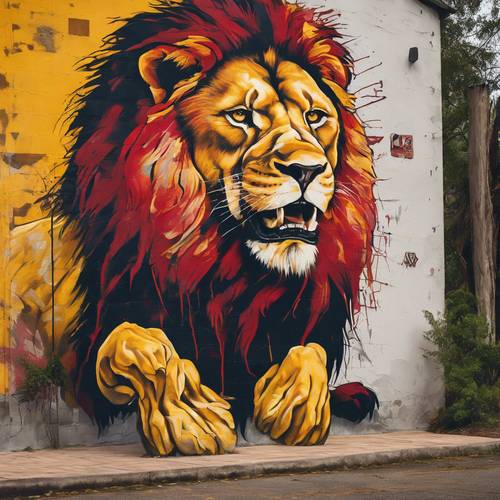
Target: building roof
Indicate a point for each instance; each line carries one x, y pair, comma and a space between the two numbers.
444, 9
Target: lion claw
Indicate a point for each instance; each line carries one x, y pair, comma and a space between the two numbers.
292, 400
176, 412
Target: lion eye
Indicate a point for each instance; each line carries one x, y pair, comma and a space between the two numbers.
240, 116
315, 118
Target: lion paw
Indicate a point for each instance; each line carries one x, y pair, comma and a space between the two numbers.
177, 412
292, 400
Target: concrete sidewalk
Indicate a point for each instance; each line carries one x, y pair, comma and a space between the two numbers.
37, 472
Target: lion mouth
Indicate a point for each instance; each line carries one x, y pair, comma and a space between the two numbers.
296, 221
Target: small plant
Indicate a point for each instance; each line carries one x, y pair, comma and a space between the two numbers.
471, 365
40, 388
39, 382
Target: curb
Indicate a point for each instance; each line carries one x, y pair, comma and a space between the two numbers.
39, 486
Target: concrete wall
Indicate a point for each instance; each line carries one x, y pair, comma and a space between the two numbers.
40, 46
390, 354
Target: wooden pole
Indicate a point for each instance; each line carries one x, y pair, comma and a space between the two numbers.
495, 177
481, 206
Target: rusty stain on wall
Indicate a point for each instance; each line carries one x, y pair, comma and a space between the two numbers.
45, 37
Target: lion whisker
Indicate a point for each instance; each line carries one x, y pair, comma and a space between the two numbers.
228, 217
225, 204
240, 223
221, 204
226, 177
238, 174
229, 176
226, 188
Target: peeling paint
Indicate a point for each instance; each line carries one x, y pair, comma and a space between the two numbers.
4, 121
402, 146
3, 81
45, 37
21, 211
19, 160
17, 47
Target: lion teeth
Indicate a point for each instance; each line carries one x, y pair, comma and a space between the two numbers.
312, 223
276, 221
280, 216
292, 226
270, 223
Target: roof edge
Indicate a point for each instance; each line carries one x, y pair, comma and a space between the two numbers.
443, 9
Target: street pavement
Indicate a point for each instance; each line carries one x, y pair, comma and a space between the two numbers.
464, 477
121, 466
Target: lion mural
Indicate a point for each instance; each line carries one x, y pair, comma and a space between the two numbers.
213, 223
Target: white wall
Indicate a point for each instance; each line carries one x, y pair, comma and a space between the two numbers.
410, 207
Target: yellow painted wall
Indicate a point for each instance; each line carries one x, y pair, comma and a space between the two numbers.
38, 59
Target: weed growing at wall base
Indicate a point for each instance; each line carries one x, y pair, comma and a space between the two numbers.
40, 390
39, 381
471, 365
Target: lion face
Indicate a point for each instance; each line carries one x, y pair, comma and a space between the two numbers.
270, 134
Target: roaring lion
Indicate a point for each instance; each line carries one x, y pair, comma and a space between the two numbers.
213, 222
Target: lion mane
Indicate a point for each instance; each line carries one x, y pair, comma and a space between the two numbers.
152, 252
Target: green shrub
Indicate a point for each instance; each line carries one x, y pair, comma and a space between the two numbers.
471, 365
40, 382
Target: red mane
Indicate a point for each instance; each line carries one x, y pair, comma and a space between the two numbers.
160, 203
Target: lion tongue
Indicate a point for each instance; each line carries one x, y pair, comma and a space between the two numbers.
295, 219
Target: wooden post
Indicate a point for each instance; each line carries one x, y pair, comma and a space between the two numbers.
481, 207
495, 176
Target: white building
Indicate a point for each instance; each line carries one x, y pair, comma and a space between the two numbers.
391, 355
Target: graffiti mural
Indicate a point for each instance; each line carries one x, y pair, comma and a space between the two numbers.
210, 229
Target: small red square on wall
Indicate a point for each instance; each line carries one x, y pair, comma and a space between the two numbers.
402, 146
78, 27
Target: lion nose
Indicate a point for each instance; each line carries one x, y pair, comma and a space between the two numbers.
303, 174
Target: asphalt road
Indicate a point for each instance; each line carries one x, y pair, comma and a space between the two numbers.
465, 477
